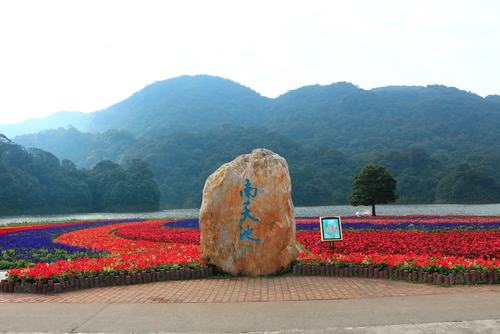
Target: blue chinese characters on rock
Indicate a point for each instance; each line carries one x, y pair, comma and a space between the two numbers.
248, 194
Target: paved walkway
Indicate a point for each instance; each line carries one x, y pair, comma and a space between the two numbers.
284, 304
425, 314
243, 289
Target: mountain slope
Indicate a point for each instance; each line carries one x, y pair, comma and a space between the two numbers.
356, 121
182, 104
85, 149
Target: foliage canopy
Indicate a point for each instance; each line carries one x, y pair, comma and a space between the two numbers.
373, 185
35, 181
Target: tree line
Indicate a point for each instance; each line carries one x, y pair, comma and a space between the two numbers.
321, 175
35, 181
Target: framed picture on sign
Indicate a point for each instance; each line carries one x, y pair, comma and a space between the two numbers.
331, 228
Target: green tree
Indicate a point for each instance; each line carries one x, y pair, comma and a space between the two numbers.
468, 184
117, 189
104, 178
373, 185
35, 181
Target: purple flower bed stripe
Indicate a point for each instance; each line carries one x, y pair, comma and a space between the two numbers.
408, 226
194, 224
185, 223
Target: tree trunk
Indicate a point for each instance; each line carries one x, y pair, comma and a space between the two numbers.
373, 209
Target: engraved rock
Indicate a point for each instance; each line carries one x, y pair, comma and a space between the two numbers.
247, 221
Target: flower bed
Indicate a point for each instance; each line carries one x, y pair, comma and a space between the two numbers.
83, 254
22, 245
121, 256
469, 244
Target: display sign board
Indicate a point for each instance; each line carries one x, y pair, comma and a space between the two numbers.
331, 228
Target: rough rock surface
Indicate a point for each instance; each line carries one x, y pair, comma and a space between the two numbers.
247, 221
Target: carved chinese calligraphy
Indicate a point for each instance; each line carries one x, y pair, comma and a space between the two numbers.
249, 193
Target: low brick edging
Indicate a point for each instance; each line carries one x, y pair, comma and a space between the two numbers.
417, 276
103, 280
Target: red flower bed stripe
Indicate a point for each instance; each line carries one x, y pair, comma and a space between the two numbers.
470, 244
12, 229
157, 233
407, 261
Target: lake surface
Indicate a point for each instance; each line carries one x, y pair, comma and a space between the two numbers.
399, 209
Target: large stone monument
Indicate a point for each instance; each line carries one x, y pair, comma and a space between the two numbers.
247, 221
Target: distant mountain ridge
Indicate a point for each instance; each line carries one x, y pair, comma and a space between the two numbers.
53, 121
193, 103
176, 104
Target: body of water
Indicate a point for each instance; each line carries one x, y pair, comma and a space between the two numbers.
341, 210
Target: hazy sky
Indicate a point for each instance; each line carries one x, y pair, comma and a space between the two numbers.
87, 55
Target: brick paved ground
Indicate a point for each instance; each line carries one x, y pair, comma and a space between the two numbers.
220, 290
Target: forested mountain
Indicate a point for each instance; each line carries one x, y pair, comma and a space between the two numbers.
437, 141
321, 175
357, 121
182, 162
35, 181
182, 104
85, 149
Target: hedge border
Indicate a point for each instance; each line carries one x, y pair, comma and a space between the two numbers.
103, 280
417, 276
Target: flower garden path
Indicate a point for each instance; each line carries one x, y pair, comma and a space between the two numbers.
281, 304
244, 289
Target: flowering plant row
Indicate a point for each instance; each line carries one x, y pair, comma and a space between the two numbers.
392, 223
8, 229
444, 265
13, 229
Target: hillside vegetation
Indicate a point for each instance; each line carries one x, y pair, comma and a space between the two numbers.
35, 181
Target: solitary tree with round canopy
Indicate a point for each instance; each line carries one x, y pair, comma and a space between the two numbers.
373, 185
